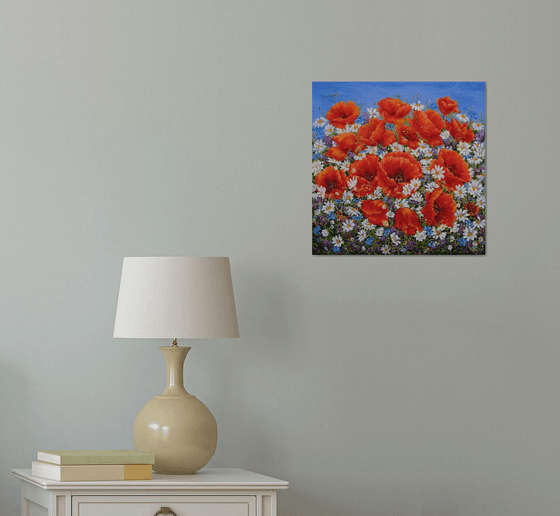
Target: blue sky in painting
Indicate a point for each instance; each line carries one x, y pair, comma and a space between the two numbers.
470, 96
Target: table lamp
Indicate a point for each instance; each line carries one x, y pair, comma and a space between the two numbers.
173, 298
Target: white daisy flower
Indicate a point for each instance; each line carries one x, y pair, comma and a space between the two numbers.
320, 122
362, 235
462, 215
469, 233
352, 183
395, 238
337, 241
397, 147
420, 236
454, 228
416, 197
321, 191
319, 146
325, 232
390, 214
438, 232
479, 224
347, 196
430, 187
438, 172
379, 232
463, 148
328, 207
407, 189
401, 203
348, 225
345, 165
385, 249
373, 113
366, 224
316, 166
460, 191
477, 126
462, 118
415, 183
445, 135
417, 106
329, 130
475, 188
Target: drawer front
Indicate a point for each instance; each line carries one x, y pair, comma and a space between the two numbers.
150, 505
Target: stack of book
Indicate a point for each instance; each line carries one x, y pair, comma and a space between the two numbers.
83, 465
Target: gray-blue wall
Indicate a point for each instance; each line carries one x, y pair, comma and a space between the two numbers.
406, 386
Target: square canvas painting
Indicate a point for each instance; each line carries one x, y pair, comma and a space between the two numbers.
399, 168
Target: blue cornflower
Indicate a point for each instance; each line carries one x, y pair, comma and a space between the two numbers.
357, 217
462, 241
317, 230
428, 230
387, 232
432, 244
369, 241
331, 216
338, 201
336, 249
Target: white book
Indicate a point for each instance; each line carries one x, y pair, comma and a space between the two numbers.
84, 472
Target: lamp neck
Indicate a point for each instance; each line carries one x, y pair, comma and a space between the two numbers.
175, 358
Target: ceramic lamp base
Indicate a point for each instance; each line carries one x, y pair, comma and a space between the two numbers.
175, 426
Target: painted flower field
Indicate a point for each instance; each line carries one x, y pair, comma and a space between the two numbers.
398, 178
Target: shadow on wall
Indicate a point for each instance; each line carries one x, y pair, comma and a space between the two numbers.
15, 424
264, 315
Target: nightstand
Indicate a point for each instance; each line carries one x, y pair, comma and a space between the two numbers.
208, 492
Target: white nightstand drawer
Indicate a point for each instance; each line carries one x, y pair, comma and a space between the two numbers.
150, 505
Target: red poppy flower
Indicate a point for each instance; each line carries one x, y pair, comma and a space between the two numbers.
375, 212
345, 142
333, 181
407, 221
472, 208
435, 118
389, 137
456, 171
396, 170
446, 106
365, 172
407, 136
460, 132
440, 208
371, 134
426, 129
343, 113
394, 110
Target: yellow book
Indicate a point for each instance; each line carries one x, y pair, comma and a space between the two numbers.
84, 472
75, 457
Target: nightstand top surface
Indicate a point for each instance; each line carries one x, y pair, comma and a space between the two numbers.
205, 479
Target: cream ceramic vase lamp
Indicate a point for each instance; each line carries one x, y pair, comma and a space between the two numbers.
171, 298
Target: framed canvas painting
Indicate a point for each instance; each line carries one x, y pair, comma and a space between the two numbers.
399, 168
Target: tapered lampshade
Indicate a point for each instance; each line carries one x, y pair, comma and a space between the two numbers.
174, 298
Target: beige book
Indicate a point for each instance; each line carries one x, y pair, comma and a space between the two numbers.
75, 457
84, 472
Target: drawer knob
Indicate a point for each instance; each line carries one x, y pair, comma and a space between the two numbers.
165, 510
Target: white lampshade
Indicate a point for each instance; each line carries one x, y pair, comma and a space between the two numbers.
176, 297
